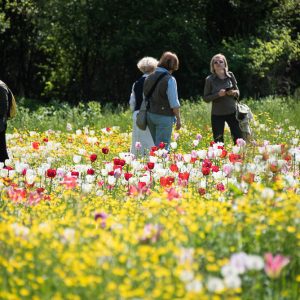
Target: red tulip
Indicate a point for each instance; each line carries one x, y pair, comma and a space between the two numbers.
75, 173
166, 181
150, 165
201, 191
220, 187
51, 173
35, 145
127, 176
162, 145
184, 176
206, 163
223, 154
116, 161
174, 168
234, 158
90, 172
205, 171
93, 157
105, 150
215, 169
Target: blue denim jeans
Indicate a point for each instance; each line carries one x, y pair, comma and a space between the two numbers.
160, 127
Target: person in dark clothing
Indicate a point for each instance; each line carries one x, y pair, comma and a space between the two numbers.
141, 140
221, 89
4, 109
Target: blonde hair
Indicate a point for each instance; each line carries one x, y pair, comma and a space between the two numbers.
169, 61
212, 69
147, 64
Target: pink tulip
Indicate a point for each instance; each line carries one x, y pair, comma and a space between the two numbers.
274, 264
241, 142
70, 182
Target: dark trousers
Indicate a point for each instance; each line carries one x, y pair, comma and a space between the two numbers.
3, 149
218, 125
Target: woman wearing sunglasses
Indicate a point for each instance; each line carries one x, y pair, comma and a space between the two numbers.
221, 89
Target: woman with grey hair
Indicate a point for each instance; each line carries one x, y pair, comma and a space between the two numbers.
221, 90
141, 139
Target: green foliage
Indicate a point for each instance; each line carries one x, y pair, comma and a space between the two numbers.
56, 115
80, 51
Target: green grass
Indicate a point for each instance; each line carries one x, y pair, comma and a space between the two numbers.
56, 115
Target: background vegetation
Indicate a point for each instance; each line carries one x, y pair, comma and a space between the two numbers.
83, 50
56, 115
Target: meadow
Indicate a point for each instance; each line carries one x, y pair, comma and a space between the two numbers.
82, 218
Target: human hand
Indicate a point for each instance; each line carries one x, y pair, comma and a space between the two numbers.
178, 124
222, 92
232, 93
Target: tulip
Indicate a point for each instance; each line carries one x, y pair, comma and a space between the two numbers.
75, 173
199, 137
220, 187
35, 145
201, 191
90, 172
138, 146
173, 168
105, 150
51, 173
173, 145
162, 145
274, 264
206, 163
127, 176
215, 169
241, 142
76, 159
205, 171
93, 157
150, 165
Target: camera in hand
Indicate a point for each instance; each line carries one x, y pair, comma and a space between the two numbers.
229, 88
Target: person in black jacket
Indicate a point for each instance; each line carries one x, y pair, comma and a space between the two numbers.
141, 140
4, 109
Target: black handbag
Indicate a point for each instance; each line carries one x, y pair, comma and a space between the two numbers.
141, 117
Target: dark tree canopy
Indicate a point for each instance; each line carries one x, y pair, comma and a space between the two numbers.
81, 50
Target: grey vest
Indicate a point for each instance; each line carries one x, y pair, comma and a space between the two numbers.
159, 102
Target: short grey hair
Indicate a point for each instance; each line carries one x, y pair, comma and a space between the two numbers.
147, 64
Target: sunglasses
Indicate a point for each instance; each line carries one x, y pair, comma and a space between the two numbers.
218, 62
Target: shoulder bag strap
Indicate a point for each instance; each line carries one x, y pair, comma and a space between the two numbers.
155, 84
237, 98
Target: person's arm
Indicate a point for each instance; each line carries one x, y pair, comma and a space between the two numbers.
235, 92
132, 100
208, 96
174, 101
176, 112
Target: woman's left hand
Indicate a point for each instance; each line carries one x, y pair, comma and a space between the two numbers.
232, 93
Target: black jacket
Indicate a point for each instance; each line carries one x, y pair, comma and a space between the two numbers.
4, 105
